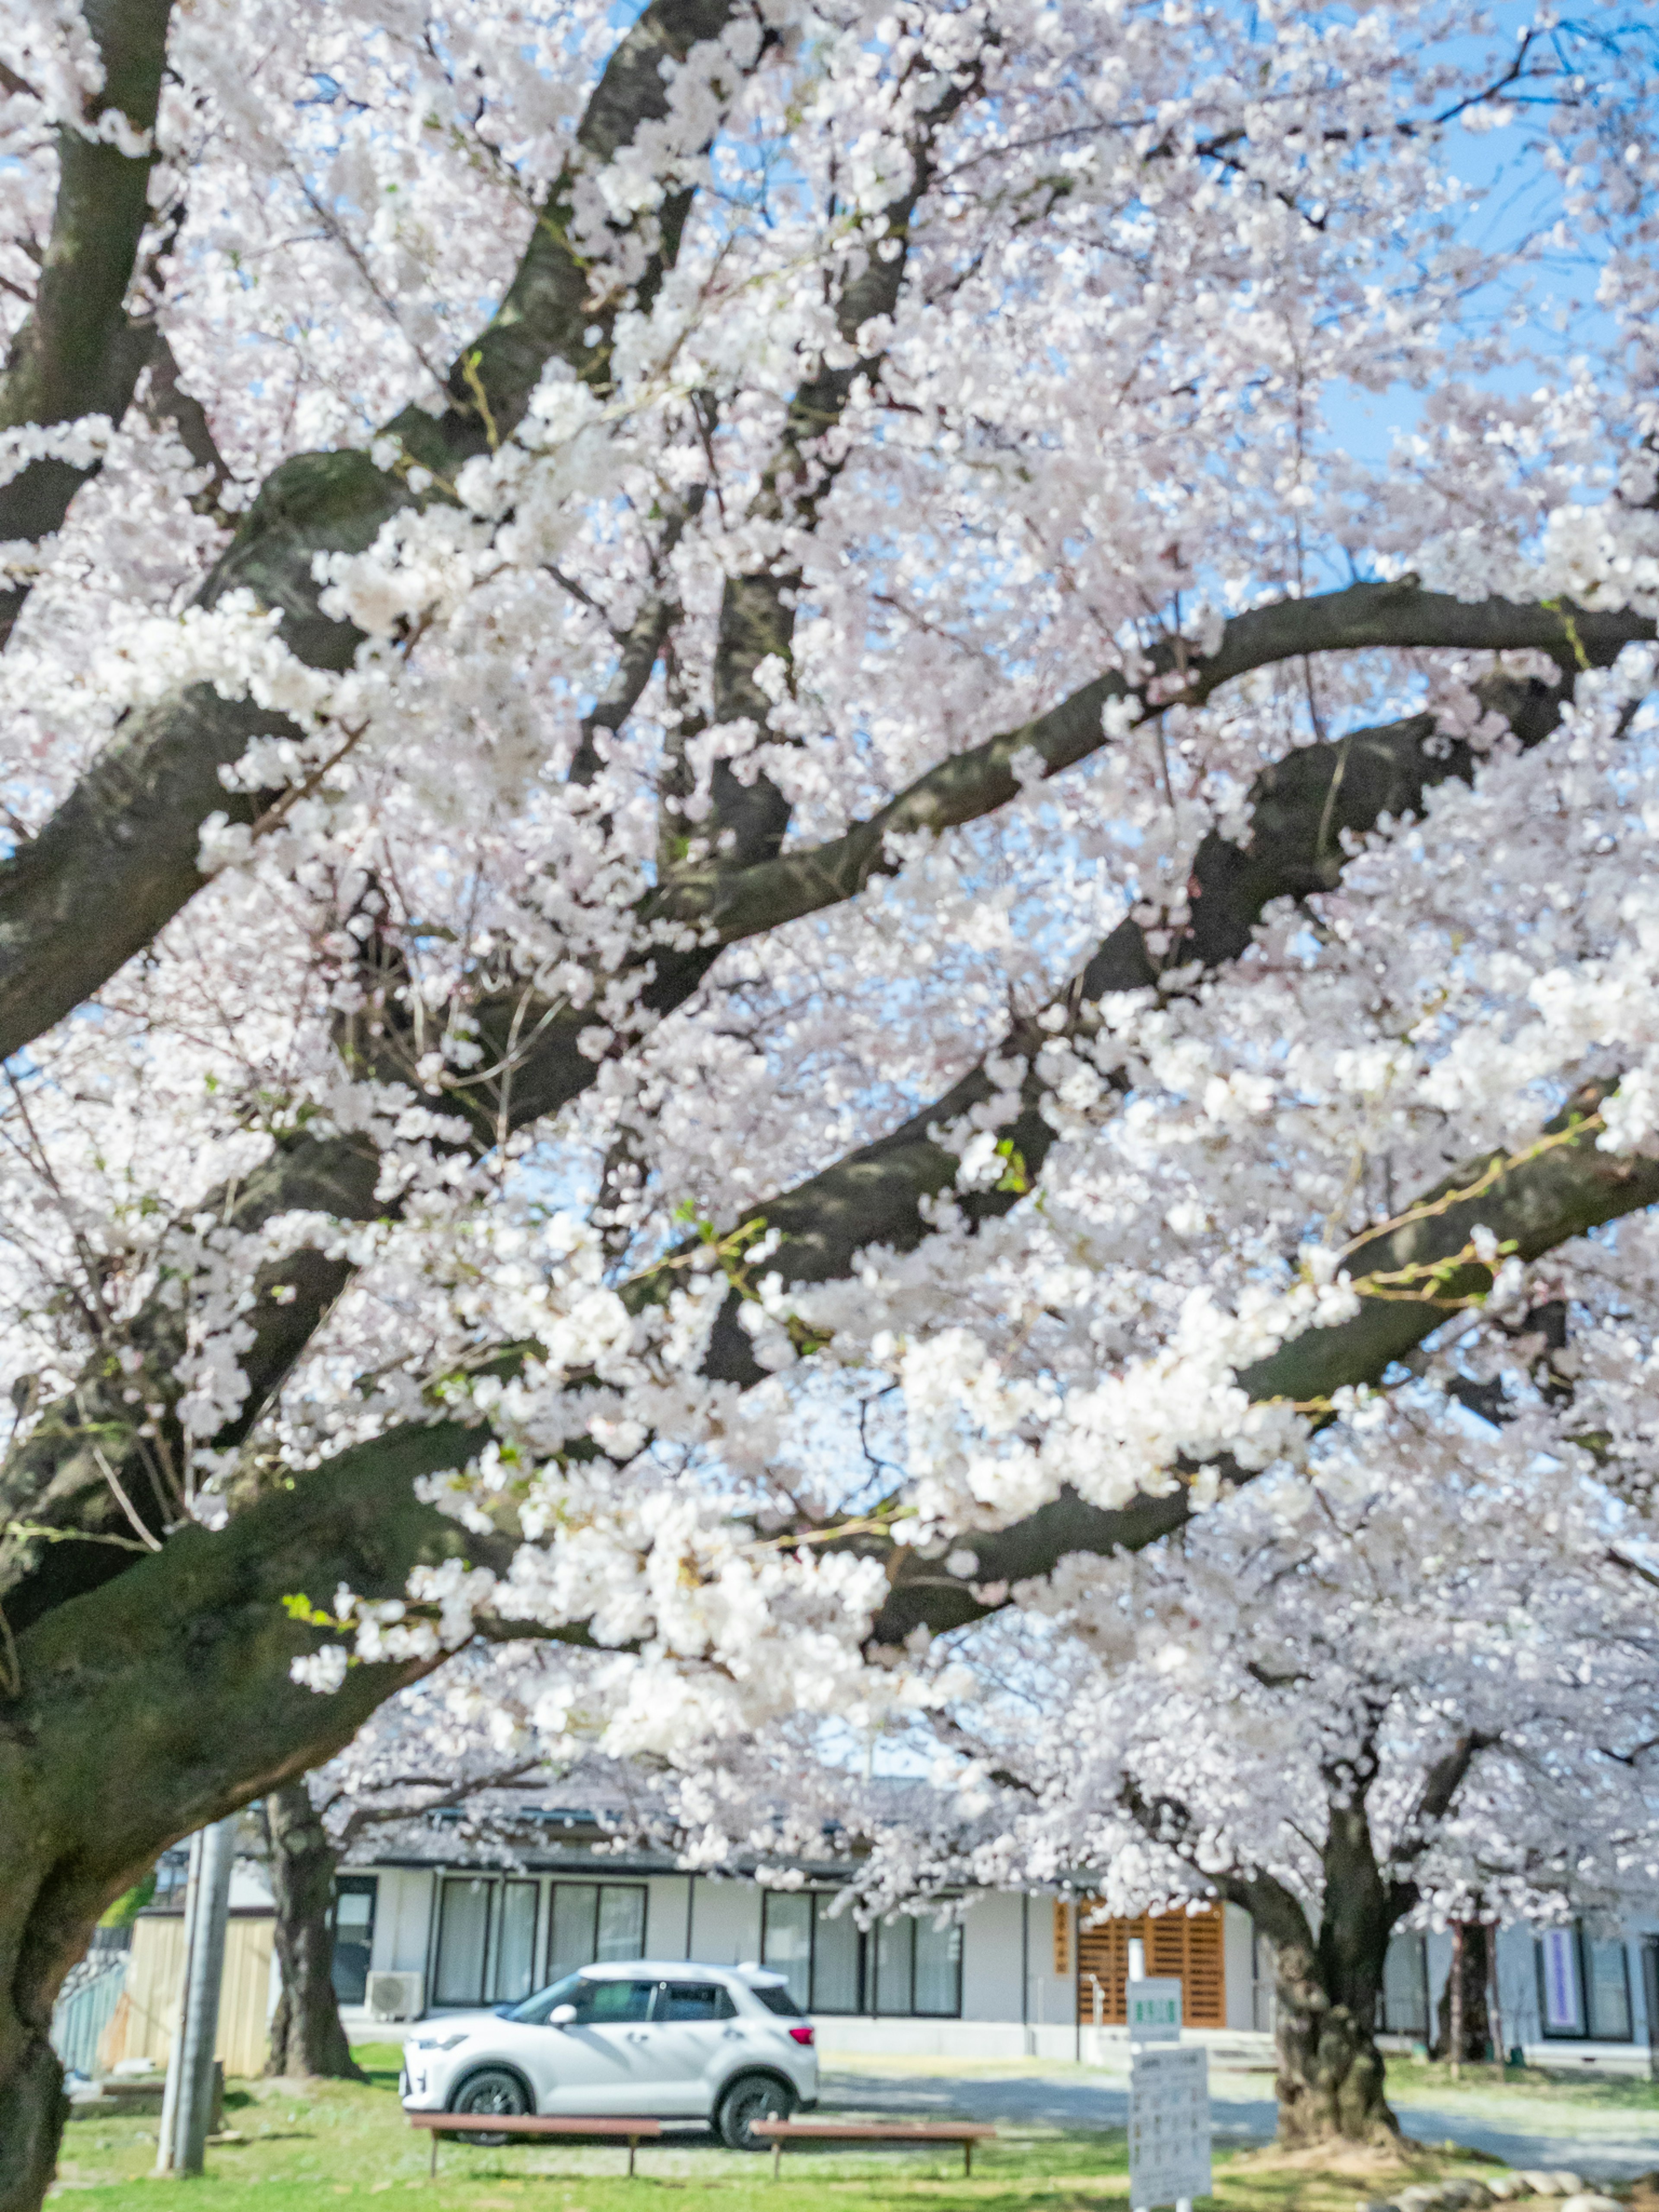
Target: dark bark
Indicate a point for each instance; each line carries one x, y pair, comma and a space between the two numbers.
306, 2037
117, 859
1475, 2040
742, 901
76, 354
163, 1701
62, 1530
1330, 2081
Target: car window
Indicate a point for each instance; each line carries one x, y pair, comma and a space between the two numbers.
695, 2001
601, 2002
775, 1996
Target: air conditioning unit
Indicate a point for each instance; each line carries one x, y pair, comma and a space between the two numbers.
396, 1997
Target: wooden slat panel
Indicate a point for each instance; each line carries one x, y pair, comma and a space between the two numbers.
147, 2016
1186, 1945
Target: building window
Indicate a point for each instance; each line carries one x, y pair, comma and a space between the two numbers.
903, 1968
513, 1968
1405, 2006
354, 1935
462, 1941
591, 1922
1583, 1987
487, 1941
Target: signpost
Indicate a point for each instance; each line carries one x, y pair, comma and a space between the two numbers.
1168, 2102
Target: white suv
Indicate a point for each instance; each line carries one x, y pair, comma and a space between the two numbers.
673, 2040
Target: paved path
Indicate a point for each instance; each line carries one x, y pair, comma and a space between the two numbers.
1605, 2143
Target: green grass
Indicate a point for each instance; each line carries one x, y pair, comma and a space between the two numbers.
304, 2148
1413, 2080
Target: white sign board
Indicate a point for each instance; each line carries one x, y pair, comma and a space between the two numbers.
1168, 2126
1154, 2010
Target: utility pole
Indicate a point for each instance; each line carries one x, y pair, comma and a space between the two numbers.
188, 2100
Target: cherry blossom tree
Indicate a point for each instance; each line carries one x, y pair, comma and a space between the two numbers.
755, 879
1412, 1685
1417, 1688
452, 1742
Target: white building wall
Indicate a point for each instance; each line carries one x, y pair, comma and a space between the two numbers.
1238, 1959
1051, 2001
991, 1958
1003, 1935
1521, 2022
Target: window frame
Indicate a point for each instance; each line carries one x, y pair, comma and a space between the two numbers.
352, 1885
489, 1884
1420, 2031
868, 1943
1582, 1962
554, 1885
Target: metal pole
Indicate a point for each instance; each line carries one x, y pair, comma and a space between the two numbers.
170, 2093
192, 2058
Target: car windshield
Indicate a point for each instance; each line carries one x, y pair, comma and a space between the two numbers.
534, 2010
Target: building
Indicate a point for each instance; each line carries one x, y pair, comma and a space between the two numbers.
998, 1975
1566, 1997
1002, 1975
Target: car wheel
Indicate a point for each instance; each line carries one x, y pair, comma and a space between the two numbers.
752, 2097
494, 2090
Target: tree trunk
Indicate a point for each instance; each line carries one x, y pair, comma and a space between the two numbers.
1330, 2071
1474, 2041
162, 1701
306, 2037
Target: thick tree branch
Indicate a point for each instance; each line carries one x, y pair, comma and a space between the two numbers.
1301, 806
63, 1528
76, 354
1441, 1785
165, 1701
747, 821
1540, 1197
742, 902
119, 858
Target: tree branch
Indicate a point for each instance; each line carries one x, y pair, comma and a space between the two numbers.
117, 859
76, 354
741, 902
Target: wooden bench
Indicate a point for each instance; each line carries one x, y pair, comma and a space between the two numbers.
966, 2132
531, 2124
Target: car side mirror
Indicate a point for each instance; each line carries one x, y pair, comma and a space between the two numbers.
561, 2016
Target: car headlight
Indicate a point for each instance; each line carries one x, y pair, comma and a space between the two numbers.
436, 2042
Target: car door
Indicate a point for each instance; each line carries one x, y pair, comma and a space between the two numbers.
600, 2064
696, 2038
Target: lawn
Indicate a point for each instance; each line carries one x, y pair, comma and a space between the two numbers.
302, 2147
1413, 2079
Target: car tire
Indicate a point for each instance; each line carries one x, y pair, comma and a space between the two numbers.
752, 2097
492, 2090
